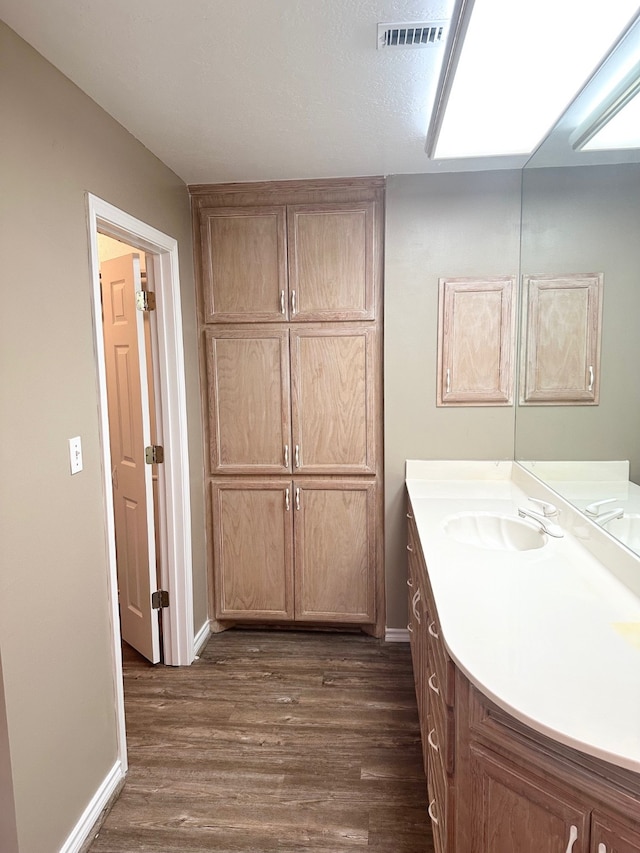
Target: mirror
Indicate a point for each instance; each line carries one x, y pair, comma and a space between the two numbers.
581, 214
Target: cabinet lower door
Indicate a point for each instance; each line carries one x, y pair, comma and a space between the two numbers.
253, 550
335, 547
514, 810
614, 835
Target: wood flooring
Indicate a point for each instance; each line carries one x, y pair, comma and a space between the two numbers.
272, 742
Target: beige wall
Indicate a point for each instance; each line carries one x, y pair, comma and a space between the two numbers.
587, 219
437, 225
57, 144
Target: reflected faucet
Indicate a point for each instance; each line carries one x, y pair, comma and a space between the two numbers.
549, 527
609, 516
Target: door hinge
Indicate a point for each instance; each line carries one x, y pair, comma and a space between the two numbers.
154, 454
160, 599
145, 300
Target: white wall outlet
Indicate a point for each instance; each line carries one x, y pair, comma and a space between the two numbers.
75, 454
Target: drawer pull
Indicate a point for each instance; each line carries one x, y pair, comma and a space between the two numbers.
414, 605
434, 746
409, 583
431, 814
432, 684
573, 837
410, 549
602, 848
409, 515
432, 631
410, 628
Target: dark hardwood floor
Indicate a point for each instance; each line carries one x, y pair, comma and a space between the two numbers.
272, 742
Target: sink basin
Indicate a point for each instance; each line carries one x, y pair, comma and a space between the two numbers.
626, 529
494, 531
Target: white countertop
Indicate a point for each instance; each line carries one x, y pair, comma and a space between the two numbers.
550, 635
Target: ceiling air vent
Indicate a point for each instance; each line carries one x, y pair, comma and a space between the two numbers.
422, 34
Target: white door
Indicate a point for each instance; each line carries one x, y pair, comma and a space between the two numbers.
129, 432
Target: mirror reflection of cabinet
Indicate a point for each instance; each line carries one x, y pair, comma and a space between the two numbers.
561, 332
476, 336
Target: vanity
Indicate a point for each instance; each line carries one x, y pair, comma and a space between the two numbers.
526, 652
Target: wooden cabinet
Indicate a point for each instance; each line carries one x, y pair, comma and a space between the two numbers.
494, 784
301, 549
476, 341
515, 809
561, 331
299, 400
299, 263
290, 303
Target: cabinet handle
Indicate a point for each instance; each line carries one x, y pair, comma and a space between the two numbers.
602, 848
590, 378
410, 628
432, 684
448, 380
297, 455
432, 631
283, 307
287, 502
409, 515
293, 302
431, 814
414, 603
286, 456
573, 837
410, 549
298, 499
409, 583
431, 741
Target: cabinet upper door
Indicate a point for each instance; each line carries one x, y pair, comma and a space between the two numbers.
244, 275
331, 261
335, 544
561, 329
249, 400
513, 810
476, 341
334, 389
253, 549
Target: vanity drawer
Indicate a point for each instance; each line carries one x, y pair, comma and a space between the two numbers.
441, 734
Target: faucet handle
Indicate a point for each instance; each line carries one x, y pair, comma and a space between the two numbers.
548, 509
594, 508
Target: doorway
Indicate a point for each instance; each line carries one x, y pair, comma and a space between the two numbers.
175, 564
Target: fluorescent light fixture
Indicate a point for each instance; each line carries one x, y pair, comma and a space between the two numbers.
616, 125
513, 67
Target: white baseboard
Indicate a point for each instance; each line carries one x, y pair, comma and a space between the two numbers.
396, 635
200, 639
99, 801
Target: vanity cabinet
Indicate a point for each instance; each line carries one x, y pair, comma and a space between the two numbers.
476, 341
294, 550
561, 332
295, 262
494, 784
290, 320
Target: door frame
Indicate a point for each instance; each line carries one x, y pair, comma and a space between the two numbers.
175, 532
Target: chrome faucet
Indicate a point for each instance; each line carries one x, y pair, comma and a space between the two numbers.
606, 517
549, 527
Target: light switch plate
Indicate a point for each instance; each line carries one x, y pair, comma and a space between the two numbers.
75, 454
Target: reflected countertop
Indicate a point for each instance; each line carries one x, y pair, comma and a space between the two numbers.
551, 635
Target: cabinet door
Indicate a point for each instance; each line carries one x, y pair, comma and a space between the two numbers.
513, 810
614, 835
562, 319
244, 275
334, 392
253, 549
476, 342
331, 261
249, 400
335, 547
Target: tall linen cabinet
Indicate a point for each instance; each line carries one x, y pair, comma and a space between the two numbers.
290, 325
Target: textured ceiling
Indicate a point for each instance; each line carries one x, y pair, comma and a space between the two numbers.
238, 90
